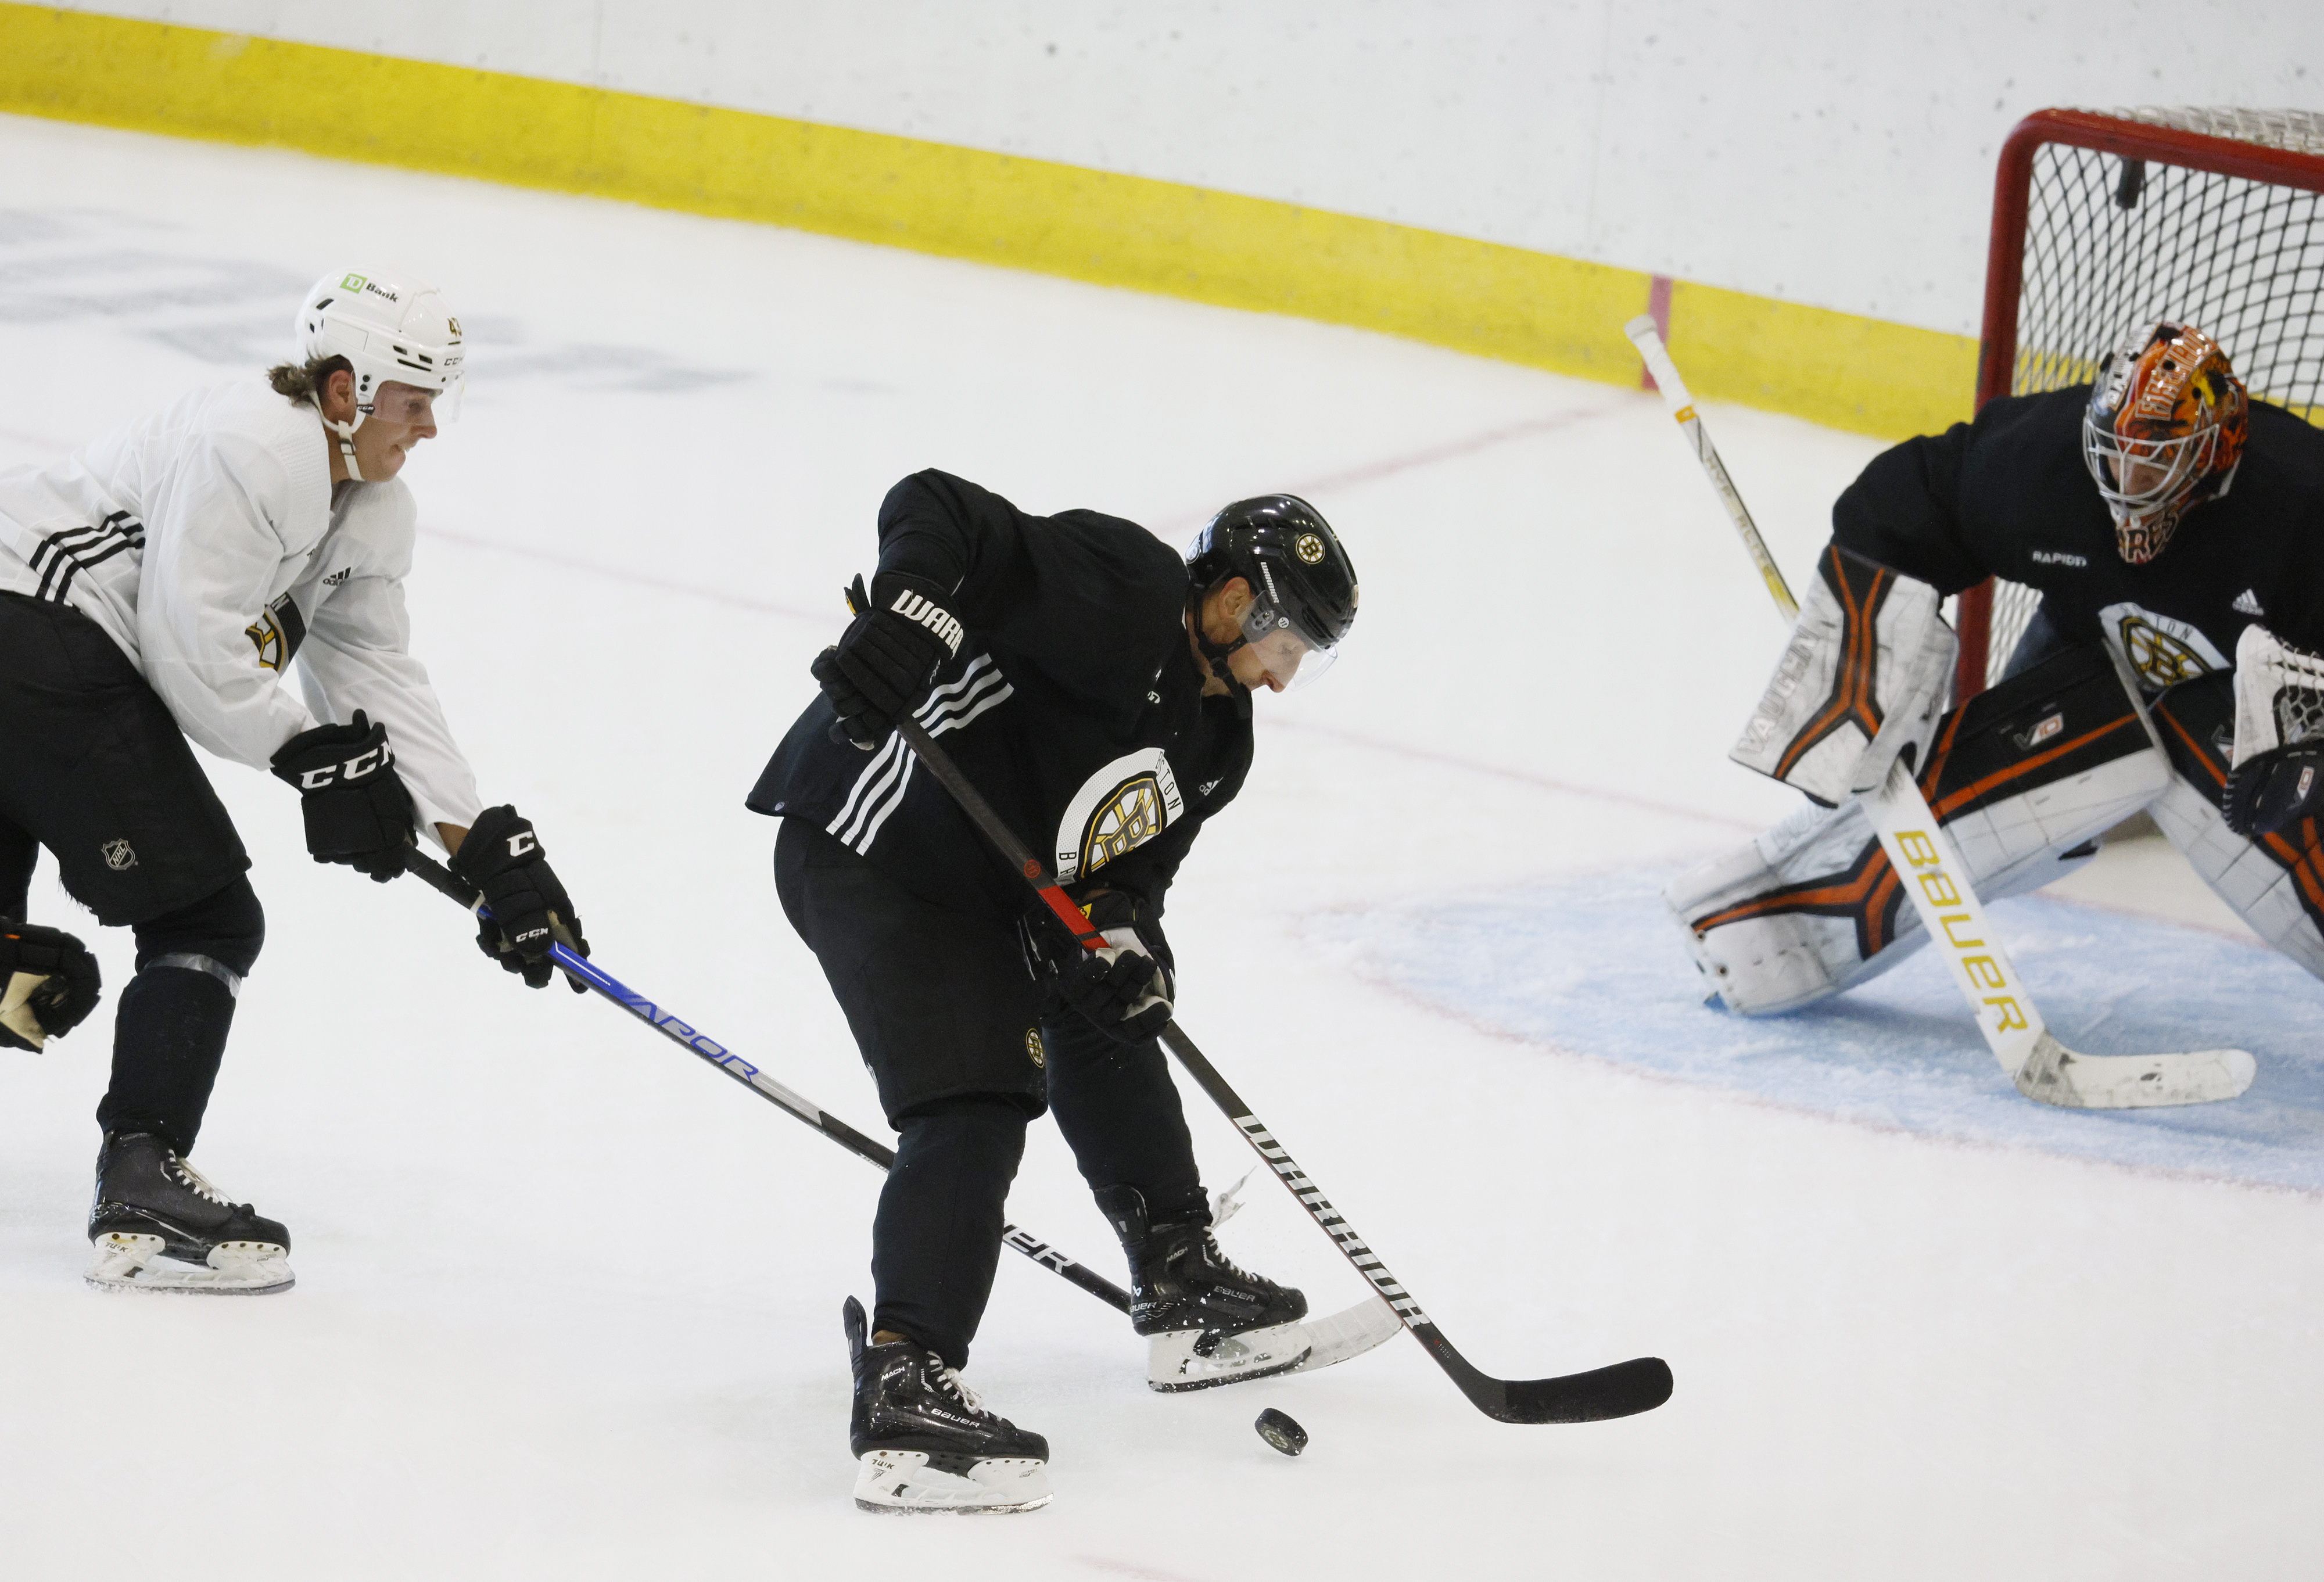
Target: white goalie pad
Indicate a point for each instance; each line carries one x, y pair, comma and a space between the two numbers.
2264, 893
2279, 694
2022, 780
2274, 883
1867, 673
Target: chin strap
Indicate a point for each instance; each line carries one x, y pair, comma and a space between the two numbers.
346, 433
1216, 653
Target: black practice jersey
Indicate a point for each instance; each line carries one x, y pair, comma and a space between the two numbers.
1075, 706
2008, 496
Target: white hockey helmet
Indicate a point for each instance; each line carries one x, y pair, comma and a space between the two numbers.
388, 327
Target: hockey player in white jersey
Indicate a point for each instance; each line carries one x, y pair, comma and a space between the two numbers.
157, 586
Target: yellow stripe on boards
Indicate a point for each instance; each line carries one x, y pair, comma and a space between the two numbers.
1535, 309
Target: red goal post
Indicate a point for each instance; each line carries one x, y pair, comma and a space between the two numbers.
2104, 219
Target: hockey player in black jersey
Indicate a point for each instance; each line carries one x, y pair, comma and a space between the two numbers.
1097, 688
2174, 528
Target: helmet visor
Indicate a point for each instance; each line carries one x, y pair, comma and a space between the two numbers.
1292, 660
415, 406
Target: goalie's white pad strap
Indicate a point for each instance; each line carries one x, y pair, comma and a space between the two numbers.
2279, 694
1865, 674
2025, 775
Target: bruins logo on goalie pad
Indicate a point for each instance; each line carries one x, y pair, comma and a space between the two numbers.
1813, 906
1862, 679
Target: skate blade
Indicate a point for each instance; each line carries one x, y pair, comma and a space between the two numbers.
899, 1483
1173, 1362
128, 1261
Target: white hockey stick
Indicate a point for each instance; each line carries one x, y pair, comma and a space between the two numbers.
1936, 882
1648, 337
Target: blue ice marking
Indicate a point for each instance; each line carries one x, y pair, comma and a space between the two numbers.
1597, 966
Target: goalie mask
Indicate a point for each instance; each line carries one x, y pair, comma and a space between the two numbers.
393, 331
1303, 586
2163, 432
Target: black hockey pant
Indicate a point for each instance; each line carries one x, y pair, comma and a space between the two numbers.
966, 1051
93, 767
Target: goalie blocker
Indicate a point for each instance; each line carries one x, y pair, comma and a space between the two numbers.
2023, 778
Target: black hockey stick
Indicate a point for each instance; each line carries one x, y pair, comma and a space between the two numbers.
686, 1038
1625, 1388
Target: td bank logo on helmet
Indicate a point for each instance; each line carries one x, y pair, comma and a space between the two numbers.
365, 283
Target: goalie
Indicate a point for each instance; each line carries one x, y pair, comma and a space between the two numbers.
2168, 522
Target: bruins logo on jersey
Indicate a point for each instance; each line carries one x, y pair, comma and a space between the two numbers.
1034, 1051
277, 633
1310, 548
1119, 808
2164, 650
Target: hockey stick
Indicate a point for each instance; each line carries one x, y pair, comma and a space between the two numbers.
1625, 1388
1933, 877
1648, 337
717, 1055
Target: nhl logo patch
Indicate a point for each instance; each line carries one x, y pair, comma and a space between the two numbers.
118, 855
1309, 546
1034, 1051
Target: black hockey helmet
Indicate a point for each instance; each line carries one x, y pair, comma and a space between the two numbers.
1302, 582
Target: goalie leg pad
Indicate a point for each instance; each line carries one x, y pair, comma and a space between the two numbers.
2275, 882
2023, 778
1806, 910
1865, 675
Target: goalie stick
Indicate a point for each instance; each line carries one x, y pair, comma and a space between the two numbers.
1332, 1340
1933, 877
1622, 1389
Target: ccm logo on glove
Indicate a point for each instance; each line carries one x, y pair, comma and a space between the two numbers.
361, 767
355, 807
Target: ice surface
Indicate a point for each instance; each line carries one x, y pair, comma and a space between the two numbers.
568, 1307
1596, 966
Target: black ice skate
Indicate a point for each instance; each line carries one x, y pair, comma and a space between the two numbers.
1207, 1322
923, 1442
152, 1204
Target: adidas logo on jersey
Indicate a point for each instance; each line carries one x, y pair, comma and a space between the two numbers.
2247, 604
935, 617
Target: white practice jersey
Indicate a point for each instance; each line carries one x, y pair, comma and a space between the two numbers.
204, 541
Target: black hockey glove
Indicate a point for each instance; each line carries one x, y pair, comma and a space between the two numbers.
2274, 788
48, 982
356, 809
1123, 990
885, 662
529, 909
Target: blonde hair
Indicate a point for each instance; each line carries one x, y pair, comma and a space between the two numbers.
303, 382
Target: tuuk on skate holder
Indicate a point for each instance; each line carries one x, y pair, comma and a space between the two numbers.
442, 879
1622, 1389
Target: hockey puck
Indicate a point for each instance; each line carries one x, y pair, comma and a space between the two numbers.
1279, 1430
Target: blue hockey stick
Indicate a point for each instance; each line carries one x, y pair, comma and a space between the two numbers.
582, 970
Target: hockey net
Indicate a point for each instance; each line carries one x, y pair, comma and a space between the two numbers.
2104, 220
